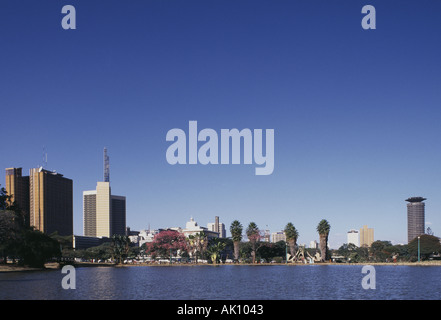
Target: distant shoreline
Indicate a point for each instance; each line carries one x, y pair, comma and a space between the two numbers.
51, 266
423, 263
17, 268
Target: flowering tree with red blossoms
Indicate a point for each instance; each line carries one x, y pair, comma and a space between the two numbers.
165, 243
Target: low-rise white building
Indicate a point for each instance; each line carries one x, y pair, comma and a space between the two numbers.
192, 228
143, 236
278, 236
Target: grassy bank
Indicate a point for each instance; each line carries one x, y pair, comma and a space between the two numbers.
16, 268
11, 267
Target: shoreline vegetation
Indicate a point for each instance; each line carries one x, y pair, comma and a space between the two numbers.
32, 249
54, 265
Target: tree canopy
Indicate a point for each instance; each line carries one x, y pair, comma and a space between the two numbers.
291, 232
166, 242
429, 244
323, 227
236, 230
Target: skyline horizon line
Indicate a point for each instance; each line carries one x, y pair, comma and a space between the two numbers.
274, 230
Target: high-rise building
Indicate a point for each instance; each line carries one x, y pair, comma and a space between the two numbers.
50, 202
104, 214
89, 213
313, 244
118, 214
415, 217
353, 237
366, 236
17, 187
217, 227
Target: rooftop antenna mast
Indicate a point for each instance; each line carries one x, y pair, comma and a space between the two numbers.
44, 165
106, 166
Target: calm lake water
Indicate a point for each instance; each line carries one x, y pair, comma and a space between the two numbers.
228, 282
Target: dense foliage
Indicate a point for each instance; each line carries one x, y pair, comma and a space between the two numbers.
20, 242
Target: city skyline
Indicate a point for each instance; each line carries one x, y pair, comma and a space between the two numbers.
92, 211
349, 108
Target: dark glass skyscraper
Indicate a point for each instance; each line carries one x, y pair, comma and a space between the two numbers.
415, 217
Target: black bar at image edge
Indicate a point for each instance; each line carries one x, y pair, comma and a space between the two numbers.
217, 309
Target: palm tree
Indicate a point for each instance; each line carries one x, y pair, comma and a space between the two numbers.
191, 245
323, 229
292, 235
253, 235
197, 244
215, 249
202, 243
236, 235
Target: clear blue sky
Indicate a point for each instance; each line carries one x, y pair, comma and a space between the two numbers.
356, 112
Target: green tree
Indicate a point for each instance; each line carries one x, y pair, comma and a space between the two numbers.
17, 240
120, 247
378, 250
66, 244
236, 235
4, 199
429, 231
9, 234
269, 251
197, 244
245, 252
401, 252
215, 248
428, 245
11, 227
352, 253
323, 229
228, 252
253, 235
292, 235
38, 248
7, 204
101, 252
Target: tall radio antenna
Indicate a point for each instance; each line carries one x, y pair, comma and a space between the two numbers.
106, 166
